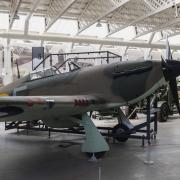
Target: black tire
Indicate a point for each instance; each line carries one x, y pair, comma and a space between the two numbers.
98, 155
163, 113
120, 132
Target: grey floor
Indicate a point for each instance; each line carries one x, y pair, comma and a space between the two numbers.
35, 157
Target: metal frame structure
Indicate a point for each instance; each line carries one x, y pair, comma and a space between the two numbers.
145, 16
144, 130
81, 39
95, 55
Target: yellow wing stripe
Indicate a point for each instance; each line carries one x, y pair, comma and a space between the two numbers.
4, 94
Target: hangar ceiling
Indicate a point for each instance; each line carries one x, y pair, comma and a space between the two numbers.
145, 17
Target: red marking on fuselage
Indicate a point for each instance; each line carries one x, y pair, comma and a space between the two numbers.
30, 103
81, 102
38, 101
76, 102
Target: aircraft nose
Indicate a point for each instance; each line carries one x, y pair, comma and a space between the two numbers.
171, 69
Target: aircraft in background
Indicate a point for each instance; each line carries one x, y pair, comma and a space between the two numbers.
63, 99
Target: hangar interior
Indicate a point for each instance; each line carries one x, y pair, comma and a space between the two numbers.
73, 26
90, 32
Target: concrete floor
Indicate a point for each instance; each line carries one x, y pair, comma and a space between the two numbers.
37, 157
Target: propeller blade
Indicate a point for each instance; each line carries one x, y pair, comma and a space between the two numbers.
168, 50
173, 88
171, 69
163, 61
162, 58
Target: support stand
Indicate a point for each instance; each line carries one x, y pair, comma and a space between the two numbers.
93, 158
148, 132
148, 160
141, 131
155, 122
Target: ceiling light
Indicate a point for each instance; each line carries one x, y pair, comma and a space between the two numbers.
98, 24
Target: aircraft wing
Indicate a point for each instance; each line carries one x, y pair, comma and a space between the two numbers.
72, 101
36, 106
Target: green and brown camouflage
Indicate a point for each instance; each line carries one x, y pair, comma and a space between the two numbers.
104, 86
117, 83
63, 99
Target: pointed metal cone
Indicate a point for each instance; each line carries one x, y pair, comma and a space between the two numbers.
93, 158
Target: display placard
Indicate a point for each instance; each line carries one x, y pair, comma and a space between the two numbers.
37, 57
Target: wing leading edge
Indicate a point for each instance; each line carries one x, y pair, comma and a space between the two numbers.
14, 107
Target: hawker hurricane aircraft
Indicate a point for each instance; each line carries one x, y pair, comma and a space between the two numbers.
62, 100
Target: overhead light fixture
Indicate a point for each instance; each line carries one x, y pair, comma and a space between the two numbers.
98, 24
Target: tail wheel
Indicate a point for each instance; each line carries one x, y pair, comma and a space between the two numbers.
120, 132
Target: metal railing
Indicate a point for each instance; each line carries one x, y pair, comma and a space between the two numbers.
96, 55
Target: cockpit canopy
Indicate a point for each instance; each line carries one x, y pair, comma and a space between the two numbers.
67, 66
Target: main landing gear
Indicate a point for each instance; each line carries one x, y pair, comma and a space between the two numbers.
95, 144
145, 131
121, 132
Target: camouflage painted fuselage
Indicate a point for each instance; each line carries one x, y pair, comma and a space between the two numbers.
115, 84
122, 83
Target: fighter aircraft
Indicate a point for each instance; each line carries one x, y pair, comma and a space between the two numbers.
63, 99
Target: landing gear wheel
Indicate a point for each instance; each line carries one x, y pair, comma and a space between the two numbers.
120, 131
164, 112
98, 155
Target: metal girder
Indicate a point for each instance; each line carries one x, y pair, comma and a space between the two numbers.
56, 10
96, 10
100, 47
169, 33
149, 4
80, 39
144, 15
86, 7
158, 28
34, 6
151, 37
157, 3
14, 6
125, 51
